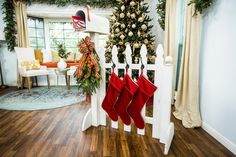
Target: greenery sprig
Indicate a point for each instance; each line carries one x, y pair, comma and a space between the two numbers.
10, 23
161, 11
9, 12
200, 5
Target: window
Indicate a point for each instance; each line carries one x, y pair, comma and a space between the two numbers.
64, 33
36, 32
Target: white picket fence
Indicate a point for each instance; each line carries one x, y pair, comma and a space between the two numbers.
162, 128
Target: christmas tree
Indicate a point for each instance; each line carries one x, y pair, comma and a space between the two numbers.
129, 23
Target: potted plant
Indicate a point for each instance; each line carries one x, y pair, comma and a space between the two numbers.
62, 54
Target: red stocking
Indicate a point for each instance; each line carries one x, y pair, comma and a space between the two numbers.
145, 91
126, 96
113, 92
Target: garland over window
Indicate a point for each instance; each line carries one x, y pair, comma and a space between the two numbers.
9, 11
161, 11
9, 19
200, 7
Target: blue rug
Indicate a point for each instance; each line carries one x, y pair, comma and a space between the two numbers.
40, 98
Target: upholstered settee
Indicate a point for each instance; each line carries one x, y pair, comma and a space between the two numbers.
50, 59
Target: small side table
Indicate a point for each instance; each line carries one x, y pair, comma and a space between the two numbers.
62, 72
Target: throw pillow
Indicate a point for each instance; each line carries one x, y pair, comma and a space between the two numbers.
38, 55
31, 65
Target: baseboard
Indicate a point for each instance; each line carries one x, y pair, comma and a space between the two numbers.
220, 138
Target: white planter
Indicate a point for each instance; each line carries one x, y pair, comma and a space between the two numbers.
61, 64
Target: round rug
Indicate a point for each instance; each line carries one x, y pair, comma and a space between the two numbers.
40, 98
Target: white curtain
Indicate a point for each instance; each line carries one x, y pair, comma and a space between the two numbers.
187, 102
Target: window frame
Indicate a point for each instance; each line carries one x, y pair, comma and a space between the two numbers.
36, 33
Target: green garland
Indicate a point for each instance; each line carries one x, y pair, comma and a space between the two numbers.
94, 3
161, 11
9, 12
9, 19
200, 5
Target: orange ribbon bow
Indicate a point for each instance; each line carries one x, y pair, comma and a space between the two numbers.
86, 47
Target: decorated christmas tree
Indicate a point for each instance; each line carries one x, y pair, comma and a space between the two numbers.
129, 23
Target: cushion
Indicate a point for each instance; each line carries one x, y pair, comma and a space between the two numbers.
55, 56
30, 65
38, 55
71, 57
47, 56
54, 64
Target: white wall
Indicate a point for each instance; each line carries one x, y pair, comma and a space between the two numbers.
218, 72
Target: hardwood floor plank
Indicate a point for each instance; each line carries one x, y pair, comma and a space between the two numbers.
57, 133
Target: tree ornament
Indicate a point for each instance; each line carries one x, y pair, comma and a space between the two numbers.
133, 26
130, 34
133, 15
122, 15
145, 41
112, 35
144, 27
136, 45
141, 4
138, 12
122, 25
122, 8
141, 19
121, 43
113, 18
117, 30
139, 33
128, 14
132, 3
122, 37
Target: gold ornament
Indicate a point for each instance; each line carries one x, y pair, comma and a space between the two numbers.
136, 45
122, 37
133, 16
133, 26
128, 14
112, 35
132, 3
122, 8
144, 27
122, 25
139, 33
130, 34
141, 19
113, 18
145, 41
117, 30
122, 15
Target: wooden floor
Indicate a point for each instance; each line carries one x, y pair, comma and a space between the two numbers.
57, 133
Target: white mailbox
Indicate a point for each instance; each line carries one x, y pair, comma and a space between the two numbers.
87, 22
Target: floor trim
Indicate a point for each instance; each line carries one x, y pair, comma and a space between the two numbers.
220, 138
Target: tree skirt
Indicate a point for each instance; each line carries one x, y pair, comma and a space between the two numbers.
40, 98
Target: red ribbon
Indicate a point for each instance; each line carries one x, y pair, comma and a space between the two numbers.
88, 11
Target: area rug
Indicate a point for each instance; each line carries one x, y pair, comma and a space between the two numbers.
40, 98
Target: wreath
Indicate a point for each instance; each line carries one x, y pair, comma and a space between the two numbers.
88, 72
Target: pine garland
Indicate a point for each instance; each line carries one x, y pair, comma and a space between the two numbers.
9, 19
200, 5
9, 11
161, 11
